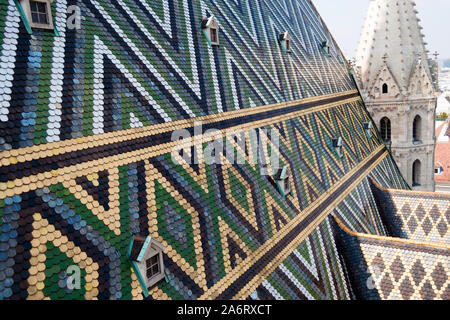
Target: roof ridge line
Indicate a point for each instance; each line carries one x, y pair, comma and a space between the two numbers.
440, 194
129, 134
385, 238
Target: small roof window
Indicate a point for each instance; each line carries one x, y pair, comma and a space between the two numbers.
338, 143
37, 13
282, 178
211, 30
146, 257
438, 171
285, 40
325, 46
368, 128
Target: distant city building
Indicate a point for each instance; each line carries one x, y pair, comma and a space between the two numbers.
400, 86
443, 104
442, 163
444, 79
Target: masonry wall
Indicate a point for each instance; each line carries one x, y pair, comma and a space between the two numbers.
405, 152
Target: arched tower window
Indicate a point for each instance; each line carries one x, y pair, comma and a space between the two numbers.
385, 128
385, 88
417, 128
416, 173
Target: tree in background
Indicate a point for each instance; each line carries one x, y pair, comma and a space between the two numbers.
442, 116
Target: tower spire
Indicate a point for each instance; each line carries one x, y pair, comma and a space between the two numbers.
391, 28
399, 85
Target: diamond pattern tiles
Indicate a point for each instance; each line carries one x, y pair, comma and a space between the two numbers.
415, 215
86, 123
393, 269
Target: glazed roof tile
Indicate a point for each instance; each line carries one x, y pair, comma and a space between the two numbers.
87, 158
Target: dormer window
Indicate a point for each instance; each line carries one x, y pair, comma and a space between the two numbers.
211, 30
337, 145
145, 254
254, 295
325, 47
285, 41
38, 13
283, 180
368, 129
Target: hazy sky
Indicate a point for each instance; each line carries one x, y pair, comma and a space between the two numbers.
345, 19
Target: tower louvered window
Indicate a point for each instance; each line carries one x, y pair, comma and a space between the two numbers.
416, 173
417, 128
385, 128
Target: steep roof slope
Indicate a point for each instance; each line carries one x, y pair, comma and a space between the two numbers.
90, 121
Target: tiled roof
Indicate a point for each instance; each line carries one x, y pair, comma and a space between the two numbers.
415, 215
382, 268
86, 161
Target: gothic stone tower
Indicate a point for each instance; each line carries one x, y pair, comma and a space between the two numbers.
399, 84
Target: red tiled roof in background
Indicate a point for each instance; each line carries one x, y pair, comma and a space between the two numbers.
442, 156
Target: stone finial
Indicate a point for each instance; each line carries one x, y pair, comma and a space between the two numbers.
436, 55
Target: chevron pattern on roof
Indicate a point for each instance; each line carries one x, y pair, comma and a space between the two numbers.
87, 160
136, 63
